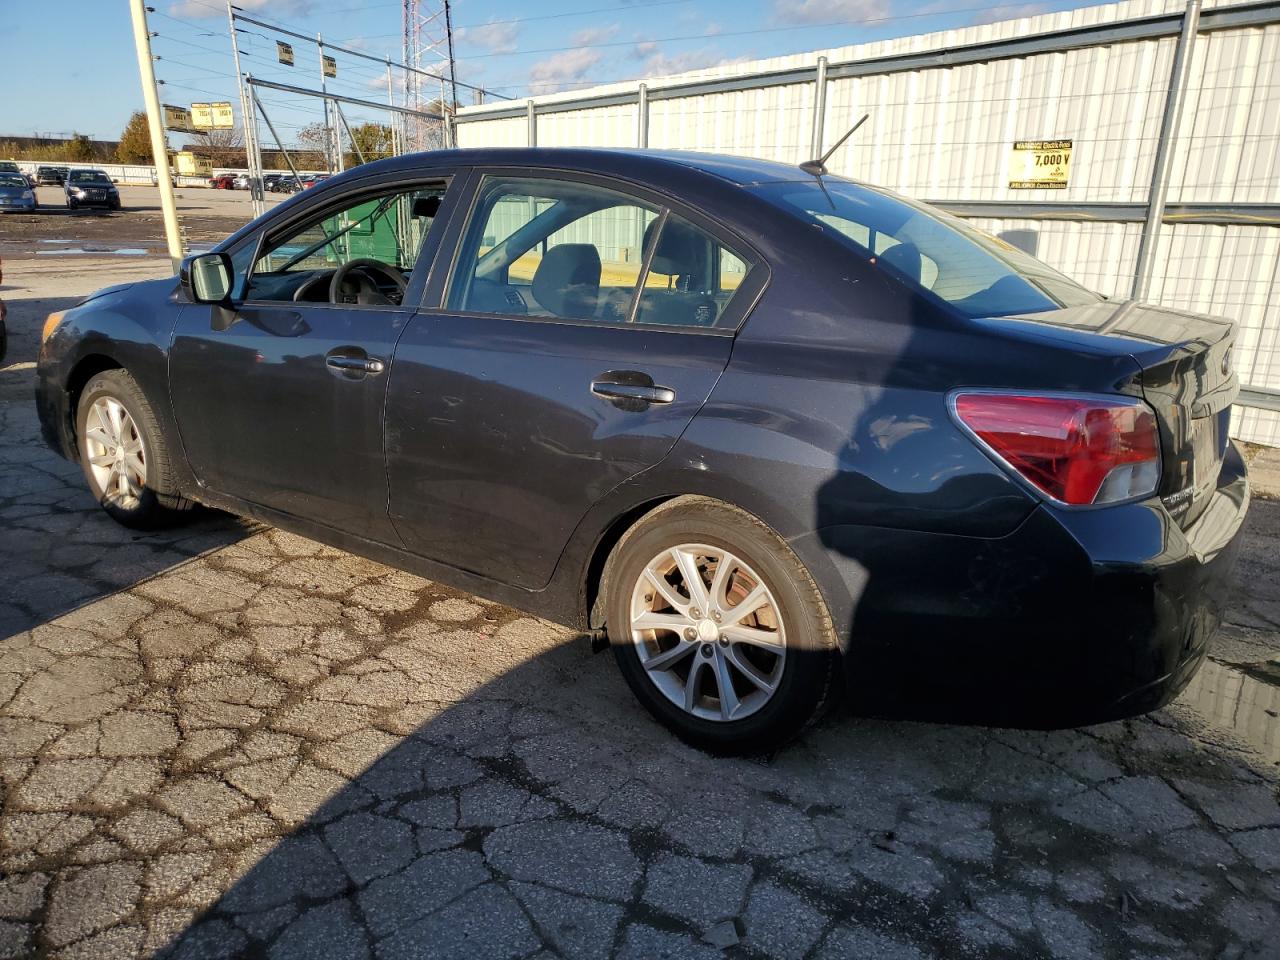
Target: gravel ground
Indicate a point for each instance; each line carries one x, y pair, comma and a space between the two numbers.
229, 741
205, 215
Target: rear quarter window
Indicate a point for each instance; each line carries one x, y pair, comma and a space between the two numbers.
972, 273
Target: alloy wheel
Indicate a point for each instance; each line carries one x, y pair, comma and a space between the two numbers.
115, 452
708, 632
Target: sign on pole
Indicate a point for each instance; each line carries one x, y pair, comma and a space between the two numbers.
284, 53
177, 119
1039, 165
212, 116
330, 67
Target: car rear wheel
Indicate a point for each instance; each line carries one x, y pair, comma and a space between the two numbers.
718, 628
124, 455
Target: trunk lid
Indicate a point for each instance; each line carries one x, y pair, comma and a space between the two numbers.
1184, 372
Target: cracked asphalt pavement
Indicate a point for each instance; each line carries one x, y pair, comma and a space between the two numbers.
226, 741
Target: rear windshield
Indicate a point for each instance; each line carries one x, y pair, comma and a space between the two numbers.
974, 273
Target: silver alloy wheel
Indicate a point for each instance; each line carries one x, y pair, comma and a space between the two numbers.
116, 456
708, 632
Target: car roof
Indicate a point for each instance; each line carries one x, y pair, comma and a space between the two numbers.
642, 163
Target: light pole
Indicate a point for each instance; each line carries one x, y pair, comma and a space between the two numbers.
155, 121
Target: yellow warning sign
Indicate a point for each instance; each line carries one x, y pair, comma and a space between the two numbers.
1039, 164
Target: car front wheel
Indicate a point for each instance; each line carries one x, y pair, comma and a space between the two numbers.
124, 455
719, 629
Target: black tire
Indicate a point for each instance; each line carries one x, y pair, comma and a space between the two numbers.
71, 204
807, 685
160, 504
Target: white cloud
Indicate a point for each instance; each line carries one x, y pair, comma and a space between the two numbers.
555, 73
656, 63
828, 11
594, 35
494, 37
997, 14
204, 9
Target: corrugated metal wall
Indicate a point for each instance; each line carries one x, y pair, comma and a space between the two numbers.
944, 133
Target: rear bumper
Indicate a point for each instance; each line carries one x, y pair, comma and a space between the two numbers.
1075, 617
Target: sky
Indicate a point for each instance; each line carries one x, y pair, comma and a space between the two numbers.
73, 61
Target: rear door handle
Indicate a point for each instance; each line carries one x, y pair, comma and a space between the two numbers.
646, 393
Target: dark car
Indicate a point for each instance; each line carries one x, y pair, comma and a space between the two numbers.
91, 188
767, 429
4, 313
51, 176
280, 183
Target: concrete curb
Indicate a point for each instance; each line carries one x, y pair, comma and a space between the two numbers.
1264, 471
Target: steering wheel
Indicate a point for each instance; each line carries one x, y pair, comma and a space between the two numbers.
313, 284
353, 282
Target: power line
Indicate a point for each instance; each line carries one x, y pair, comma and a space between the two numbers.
864, 21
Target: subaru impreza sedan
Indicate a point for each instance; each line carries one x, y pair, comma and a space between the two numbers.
774, 434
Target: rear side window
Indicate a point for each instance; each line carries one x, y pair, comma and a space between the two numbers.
975, 274
577, 251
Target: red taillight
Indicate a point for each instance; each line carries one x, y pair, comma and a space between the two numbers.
1078, 450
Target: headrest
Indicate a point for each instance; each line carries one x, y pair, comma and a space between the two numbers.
679, 247
906, 258
567, 281
426, 207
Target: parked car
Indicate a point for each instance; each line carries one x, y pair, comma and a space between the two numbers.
91, 188
4, 314
16, 194
281, 183
241, 181
864, 441
312, 179
223, 181
51, 176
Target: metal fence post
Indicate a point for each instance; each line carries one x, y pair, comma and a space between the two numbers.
819, 110
1159, 189
533, 123
642, 117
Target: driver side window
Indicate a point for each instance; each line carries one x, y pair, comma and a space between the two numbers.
384, 232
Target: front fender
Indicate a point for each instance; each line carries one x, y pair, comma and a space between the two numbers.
129, 328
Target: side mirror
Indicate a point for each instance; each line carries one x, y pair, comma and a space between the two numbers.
206, 278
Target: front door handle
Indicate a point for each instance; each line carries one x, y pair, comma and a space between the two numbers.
347, 364
642, 392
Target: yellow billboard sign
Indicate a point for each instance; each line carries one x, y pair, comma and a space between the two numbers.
177, 118
330, 67
284, 53
189, 165
1040, 165
212, 116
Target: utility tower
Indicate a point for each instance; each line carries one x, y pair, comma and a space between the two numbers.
428, 48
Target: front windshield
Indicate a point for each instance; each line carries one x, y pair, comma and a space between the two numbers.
89, 176
974, 273
11, 180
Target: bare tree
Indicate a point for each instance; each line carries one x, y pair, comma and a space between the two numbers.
224, 147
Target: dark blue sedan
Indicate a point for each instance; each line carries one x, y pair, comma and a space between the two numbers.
775, 433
